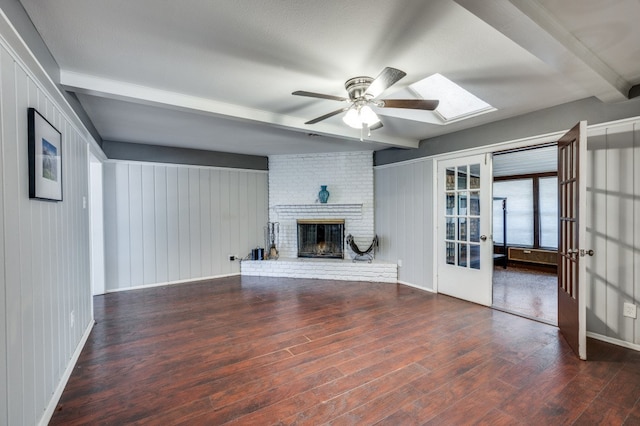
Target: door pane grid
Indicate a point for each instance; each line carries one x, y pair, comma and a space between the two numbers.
462, 216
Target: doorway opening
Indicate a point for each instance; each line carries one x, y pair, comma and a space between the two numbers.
525, 232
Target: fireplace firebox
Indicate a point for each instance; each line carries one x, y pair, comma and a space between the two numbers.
321, 238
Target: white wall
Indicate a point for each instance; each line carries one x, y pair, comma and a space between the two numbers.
296, 180
97, 225
613, 229
167, 223
404, 219
44, 255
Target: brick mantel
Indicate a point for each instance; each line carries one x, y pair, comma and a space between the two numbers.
326, 211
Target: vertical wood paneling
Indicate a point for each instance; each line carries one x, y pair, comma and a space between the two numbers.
263, 199
218, 250
596, 217
393, 217
173, 220
240, 181
195, 269
122, 224
612, 225
41, 298
225, 219
160, 214
12, 236
187, 220
205, 222
135, 223
184, 228
26, 236
234, 228
4, 380
404, 219
149, 224
44, 262
619, 230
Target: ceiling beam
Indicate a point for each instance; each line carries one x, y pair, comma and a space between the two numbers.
112, 89
534, 28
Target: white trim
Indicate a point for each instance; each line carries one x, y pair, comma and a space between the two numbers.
71, 365
178, 165
429, 290
190, 280
613, 341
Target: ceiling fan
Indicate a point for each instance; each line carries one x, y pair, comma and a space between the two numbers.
363, 94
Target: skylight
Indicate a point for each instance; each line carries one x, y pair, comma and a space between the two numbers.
455, 102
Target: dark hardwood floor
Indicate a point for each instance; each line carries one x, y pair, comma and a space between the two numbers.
254, 351
532, 293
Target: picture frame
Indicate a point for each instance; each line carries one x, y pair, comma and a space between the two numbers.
45, 158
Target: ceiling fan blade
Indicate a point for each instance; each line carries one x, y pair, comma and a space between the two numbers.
387, 78
324, 117
425, 104
376, 126
319, 95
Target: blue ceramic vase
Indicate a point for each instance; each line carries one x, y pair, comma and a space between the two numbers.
323, 195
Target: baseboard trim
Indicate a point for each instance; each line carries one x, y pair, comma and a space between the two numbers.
430, 290
190, 280
614, 341
55, 398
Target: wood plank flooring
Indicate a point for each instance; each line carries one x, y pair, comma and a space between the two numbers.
527, 292
259, 351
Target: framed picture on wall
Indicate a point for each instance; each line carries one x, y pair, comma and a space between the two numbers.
45, 159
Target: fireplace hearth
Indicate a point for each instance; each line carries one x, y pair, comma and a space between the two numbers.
318, 238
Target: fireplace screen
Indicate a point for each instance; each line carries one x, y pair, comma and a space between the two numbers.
321, 238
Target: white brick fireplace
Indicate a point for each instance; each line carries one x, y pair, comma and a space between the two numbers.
294, 183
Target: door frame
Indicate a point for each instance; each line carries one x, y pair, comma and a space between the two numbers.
488, 150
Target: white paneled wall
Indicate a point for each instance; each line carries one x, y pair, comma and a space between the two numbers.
44, 255
167, 223
404, 219
613, 229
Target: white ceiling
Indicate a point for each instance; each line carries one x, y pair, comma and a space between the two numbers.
218, 74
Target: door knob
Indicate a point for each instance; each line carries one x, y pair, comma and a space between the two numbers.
584, 252
483, 237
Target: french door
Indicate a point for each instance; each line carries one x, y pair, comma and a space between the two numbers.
464, 243
572, 190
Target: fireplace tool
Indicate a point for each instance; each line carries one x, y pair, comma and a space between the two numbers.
271, 234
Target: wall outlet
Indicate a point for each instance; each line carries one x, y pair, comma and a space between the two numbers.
399, 263
72, 319
629, 310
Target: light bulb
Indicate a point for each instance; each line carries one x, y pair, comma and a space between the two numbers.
352, 119
368, 117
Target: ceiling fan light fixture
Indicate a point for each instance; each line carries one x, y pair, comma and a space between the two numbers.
357, 117
352, 119
367, 116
